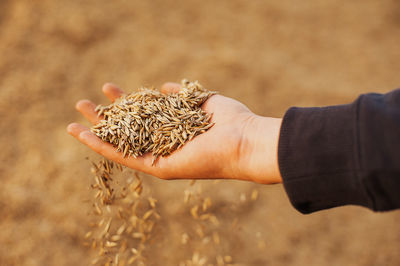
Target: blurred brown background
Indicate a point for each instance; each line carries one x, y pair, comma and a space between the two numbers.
268, 54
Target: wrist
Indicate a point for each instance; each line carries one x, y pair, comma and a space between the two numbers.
258, 152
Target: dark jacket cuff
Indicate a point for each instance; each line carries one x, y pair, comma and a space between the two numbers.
317, 158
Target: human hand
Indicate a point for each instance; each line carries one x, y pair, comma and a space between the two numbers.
241, 145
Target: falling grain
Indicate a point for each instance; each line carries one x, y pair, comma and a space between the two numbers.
124, 218
254, 195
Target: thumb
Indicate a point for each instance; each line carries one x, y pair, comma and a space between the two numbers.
170, 87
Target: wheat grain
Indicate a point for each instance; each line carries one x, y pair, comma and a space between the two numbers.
228, 259
254, 195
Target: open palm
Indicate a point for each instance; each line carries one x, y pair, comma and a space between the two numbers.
213, 154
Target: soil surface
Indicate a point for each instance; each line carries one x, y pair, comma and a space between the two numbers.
268, 54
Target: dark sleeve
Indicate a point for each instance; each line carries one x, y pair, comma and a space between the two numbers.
340, 155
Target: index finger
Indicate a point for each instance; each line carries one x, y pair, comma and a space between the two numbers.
83, 134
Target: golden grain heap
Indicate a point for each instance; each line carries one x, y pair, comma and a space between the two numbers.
150, 121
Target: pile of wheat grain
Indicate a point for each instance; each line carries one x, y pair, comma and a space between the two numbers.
150, 121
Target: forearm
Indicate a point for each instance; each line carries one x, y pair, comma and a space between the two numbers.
340, 155
330, 156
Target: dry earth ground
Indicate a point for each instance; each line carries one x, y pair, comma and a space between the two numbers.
268, 54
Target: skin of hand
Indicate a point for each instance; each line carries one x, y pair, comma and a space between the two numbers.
241, 145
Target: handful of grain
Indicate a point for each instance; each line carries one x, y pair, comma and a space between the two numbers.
150, 121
